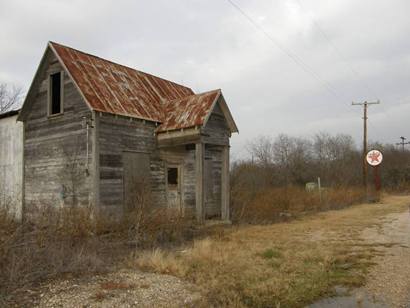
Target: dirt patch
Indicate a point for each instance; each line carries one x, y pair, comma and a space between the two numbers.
123, 288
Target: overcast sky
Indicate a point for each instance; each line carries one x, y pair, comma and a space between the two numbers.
346, 49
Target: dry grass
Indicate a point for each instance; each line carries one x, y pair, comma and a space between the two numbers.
279, 204
58, 242
285, 264
69, 241
288, 264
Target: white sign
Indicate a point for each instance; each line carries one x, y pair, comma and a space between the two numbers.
374, 157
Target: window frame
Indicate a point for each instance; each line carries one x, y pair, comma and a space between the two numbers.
49, 94
177, 176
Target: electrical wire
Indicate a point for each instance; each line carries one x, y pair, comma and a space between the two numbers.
286, 51
336, 50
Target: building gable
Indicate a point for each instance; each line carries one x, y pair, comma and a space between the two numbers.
39, 86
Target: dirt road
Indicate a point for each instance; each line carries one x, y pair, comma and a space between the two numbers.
388, 281
390, 278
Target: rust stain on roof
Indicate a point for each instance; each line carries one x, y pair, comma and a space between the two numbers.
114, 88
188, 111
118, 89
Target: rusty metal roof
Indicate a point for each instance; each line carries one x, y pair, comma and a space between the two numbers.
114, 88
117, 89
188, 111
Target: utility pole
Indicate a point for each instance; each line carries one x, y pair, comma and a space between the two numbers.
364, 166
402, 143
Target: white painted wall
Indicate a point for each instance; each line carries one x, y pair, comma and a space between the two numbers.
11, 165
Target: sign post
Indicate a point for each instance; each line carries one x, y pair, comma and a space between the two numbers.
374, 159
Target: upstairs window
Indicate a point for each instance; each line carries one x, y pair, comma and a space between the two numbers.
55, 93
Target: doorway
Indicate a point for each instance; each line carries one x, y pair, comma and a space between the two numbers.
136, 180
174, 191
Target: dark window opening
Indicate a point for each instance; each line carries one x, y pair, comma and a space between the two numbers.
172, 176
55, 95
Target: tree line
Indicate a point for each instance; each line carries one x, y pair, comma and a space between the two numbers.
293, 161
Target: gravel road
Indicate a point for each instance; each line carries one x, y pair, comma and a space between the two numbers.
390, 278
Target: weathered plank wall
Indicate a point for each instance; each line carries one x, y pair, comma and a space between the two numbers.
117, 135
11, 165
55, 147
56, 162
184, 156
216, 136
212, 169
216, 130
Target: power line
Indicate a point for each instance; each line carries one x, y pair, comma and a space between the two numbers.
354, 72
286, 51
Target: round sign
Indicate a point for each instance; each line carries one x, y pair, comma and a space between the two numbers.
374, 157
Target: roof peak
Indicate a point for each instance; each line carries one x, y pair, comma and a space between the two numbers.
116, 63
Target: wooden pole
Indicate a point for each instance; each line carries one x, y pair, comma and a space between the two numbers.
364, 163
364, 145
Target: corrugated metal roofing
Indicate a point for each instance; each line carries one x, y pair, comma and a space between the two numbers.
114, 88
189, 111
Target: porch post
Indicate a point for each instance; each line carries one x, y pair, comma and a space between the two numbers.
199, 176
225, 186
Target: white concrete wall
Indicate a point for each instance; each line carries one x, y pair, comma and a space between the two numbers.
11, 165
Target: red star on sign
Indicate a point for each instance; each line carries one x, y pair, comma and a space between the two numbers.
374, 156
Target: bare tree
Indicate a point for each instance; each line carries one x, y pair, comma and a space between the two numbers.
10, 97
262, 150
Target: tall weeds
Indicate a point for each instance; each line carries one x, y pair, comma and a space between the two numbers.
277, 204
70, 240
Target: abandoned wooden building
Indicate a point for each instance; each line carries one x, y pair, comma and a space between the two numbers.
102, 134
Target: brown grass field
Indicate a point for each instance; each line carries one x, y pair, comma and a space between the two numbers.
279, 265
286, 264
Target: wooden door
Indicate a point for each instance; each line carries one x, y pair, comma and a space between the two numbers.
136, 171
174, 187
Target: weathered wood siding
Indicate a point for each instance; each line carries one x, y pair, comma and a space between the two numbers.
59, 172
11, 165
118, 135
212, 169
216, 134
216, 130
184, 156
55, 147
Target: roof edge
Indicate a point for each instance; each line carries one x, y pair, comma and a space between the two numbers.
9, 113
50, 45
30, 89
225, 110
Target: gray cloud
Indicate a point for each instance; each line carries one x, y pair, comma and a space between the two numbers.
208, 44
